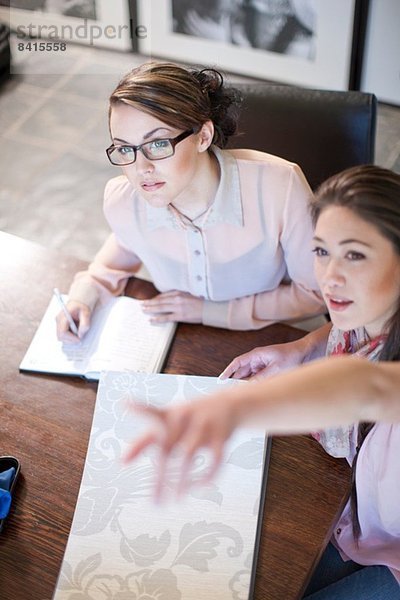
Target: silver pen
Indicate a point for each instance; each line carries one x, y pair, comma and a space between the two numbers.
71, 322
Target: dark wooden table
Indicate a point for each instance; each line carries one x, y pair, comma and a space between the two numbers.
46, 420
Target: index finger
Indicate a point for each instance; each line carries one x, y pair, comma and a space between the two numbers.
234, 367
64, 334
146, 440
161, 297
150, 437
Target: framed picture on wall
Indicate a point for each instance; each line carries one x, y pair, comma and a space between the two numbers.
381, 65
91, 22
312, 43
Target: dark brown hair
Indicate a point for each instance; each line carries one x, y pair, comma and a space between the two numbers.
372, 193
181, 97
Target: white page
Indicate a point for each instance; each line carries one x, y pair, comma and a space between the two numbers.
128, 340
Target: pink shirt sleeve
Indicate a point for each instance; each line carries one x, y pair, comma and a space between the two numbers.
114, 263
260, 310
106, 276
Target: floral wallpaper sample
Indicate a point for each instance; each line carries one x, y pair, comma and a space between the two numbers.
124, 547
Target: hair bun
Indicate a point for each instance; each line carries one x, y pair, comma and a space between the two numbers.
224, 103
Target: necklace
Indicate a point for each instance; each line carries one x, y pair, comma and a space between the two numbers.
181, 216
211, 189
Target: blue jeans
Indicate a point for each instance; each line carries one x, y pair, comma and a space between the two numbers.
336, 579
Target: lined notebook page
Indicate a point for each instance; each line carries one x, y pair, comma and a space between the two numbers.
121, 337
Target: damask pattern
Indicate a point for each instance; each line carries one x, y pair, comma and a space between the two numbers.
124, 547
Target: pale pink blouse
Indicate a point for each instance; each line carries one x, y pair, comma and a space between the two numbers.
378, 497
377, 481
249, 257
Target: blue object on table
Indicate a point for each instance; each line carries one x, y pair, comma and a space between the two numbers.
6, 479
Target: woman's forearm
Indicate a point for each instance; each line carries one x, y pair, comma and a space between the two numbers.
329, 392
314, 343
325, 393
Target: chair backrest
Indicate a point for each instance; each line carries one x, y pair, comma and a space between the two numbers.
5, 53
322, 131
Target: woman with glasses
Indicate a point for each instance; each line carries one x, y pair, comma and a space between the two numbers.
224, 234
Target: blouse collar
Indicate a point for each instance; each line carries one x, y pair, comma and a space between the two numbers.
227, 205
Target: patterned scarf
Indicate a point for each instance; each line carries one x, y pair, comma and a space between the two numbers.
341, 441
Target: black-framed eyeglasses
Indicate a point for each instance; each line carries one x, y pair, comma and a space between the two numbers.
124, 154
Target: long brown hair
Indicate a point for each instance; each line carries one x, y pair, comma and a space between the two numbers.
181, 97
372, 193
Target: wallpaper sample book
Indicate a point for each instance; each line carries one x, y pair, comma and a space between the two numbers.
122, 544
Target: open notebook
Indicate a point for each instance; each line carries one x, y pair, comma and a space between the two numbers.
202, 547
121, 338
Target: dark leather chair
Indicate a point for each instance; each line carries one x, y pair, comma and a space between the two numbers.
5, 53
322, 131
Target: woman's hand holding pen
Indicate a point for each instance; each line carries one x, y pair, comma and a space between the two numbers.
174, 306
81, 314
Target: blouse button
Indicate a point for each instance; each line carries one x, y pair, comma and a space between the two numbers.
199, 277
197, 252
338, 531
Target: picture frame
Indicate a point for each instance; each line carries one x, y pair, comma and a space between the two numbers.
334, 57
99, 23
381, 64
